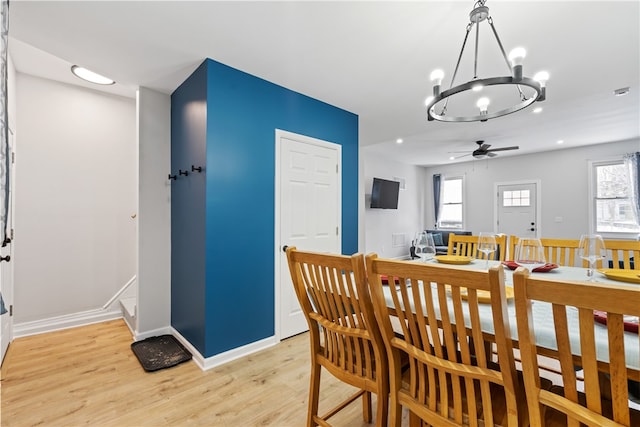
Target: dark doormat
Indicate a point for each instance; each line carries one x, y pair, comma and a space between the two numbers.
160, 352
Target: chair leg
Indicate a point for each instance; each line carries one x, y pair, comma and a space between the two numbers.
382, 411
314, 394
366, 407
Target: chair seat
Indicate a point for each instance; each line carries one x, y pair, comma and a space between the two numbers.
553, 418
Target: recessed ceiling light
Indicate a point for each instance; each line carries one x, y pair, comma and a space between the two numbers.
90, 76
399, 141
452, 158
537, 110
621, 91
560, 141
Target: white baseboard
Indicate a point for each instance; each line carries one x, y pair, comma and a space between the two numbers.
226, 357
64, 322
139, 336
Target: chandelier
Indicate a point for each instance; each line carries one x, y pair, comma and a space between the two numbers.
517, 91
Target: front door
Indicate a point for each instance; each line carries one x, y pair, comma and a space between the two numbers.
517, 210
308, 213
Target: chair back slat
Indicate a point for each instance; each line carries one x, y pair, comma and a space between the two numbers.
439, 328
622, 254
600, 350
464, 245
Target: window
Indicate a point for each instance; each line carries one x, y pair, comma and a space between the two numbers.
451, 204
516, 198
613, 212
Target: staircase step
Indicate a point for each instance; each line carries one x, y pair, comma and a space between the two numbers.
129, 306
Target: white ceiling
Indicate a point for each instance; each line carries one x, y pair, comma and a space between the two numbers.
370, 58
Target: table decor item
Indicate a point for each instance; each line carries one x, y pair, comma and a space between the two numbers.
453, 259
512, 265
486, 245
425, 248
529, 253
591, 249
630, 276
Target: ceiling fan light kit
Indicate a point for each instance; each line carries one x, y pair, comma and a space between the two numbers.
438, 103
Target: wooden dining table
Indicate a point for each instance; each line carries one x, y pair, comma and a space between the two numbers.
543, 318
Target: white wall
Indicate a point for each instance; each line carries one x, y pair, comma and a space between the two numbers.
564, 186
154, 213
75, 193
382, 224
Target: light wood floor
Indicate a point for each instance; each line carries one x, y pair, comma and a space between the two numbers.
90, 376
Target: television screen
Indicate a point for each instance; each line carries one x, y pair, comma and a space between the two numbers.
384, 194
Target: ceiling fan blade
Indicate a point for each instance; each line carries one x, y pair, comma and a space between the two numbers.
491, 154
484, 147
515, 147
464, 155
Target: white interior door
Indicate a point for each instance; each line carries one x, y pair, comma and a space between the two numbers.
518, 210
6, 267
308, 213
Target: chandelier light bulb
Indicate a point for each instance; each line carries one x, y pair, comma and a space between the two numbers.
517, 55
437, 76
541, 77
482, 104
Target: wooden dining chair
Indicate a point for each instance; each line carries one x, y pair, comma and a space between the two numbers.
622, 254
561, 251
344, 335
463, 245
450, 380
557, 251
602, 403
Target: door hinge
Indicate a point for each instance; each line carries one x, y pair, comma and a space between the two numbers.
10, 310
336, 231
336, 168
13, 157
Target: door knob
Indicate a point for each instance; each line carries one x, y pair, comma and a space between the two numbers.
532, 229
5, 258
284, 248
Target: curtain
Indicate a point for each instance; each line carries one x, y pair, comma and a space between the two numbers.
632, 162
437, 182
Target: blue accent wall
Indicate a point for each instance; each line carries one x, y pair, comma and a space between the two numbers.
243, 112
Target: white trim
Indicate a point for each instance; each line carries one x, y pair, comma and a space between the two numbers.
226, 357
538, 184
279, 134
120, 292
64, 322
153, 333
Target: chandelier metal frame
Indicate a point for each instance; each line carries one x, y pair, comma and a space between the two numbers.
479, 14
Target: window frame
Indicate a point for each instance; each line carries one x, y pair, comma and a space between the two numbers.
593, 200
461, 178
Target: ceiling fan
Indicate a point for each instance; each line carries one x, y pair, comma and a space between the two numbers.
483, 150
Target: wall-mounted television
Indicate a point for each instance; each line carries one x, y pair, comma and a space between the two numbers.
384, 194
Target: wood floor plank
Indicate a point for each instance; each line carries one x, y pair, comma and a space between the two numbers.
90, 376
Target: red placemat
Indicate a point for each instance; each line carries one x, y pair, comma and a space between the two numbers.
630, 322
385, 280
543, 269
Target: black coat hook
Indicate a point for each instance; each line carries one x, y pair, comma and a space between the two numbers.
196, 169
181, 172
174, 177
